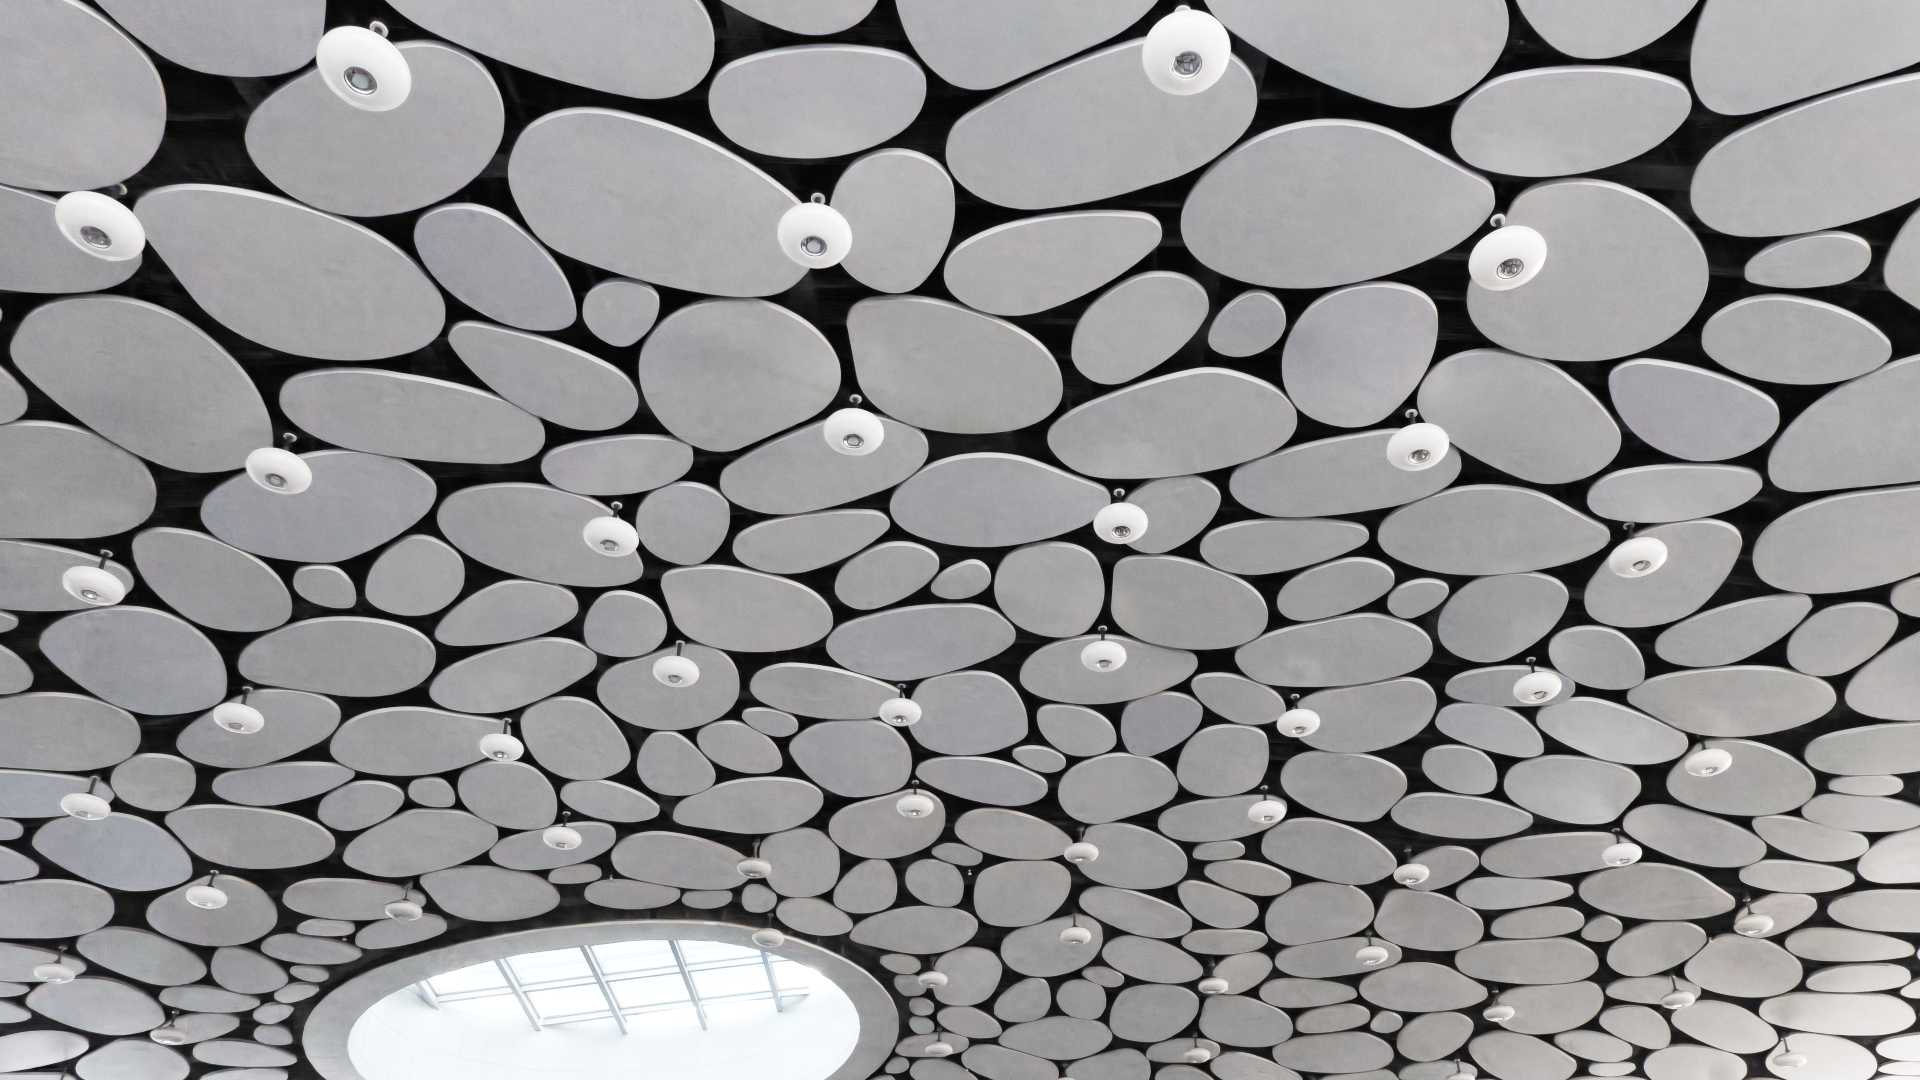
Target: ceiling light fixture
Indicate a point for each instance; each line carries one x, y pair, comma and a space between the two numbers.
931, 980
1372, 954
814, 234
169, 1033
86, 805
1196, 1054
1751, 923
676, 670
900, 710
1785, 1057
769, 938
853, 431
408, 908
1266, 810
1073, 934
502, 745
1417, 446
1508, 257
1081, 851
1637, 556
1679, 997
100, 225
1212, 986
1412, 873
1537, 687
278, 469
611, 535
1708, 761
56, 970
94, 585
1621, 852
1120, 522
237, 717
1185, 52
561, 836
1102, 655
363, 68
915, 804
206, 895
1296, 722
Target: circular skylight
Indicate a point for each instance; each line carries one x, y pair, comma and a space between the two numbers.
662, 1007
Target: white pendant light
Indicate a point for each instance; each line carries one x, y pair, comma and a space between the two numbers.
1196, 1054
363, 68
915, 804
1508, 257
86, 805
1418, 446
1786, 1057
1621, 852
1186, 52
853, 431
610, 535
100, 225
768, 938
900, 710
1372, 954
1075, 935
1679, 997
1412, 873
239, 717
1212, 986
676, 670
814, 234
95, 585
502, 745
1462, 1071
1081, 852
560, 836
1708, 761
57, 970
1120, 522
1752, 923
1298, 723
279, 470
1498, 1013
169, 1033
1536, 687
206, 895
1266, 811
406, 909
938, 1048
1637, 556
753, 867
931, 980
1102, 655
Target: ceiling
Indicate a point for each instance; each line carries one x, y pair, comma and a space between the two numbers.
551, 280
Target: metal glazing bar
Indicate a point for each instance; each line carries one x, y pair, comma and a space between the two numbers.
513, 984
686, 976
600, 980
773, 984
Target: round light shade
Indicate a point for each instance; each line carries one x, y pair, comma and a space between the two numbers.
1418, 446
93, 585
168, 1034
768, 938
238, 717
1081, 852
1638, 557
676, 671
815, 235
501, 746
1708, 761
1186, 52
1103, 655
853, 432
1120, 523
1411, 873
1497, 1013
1372, 955
1075, 935
1196, 1055
54, 971
1267, 812
561, 837
279, 471
1537, 687
84, 805
932, 980
1211, 986
610, 536
900, 712
1621, 853
363, 69
404, 910
915, 805
754, 868
1753, 924
1298, 723
99, 225
1679, 999
1507, 258
206, 897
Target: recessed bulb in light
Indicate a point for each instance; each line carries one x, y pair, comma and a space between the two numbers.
676, 670
1267, 812
1537, 687
915, 805
1418, 446
1185, 52
1103, 655
1080, 852
1298, 723
768, 938
1120, 523
1212, 986
363, 68
99, 225
1637, 557
502, 745
1507, 258
1621, 853
814, 234
854, 432
610, 534
1412, 873
279, 470
754, 868
1708, 761
93, 585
